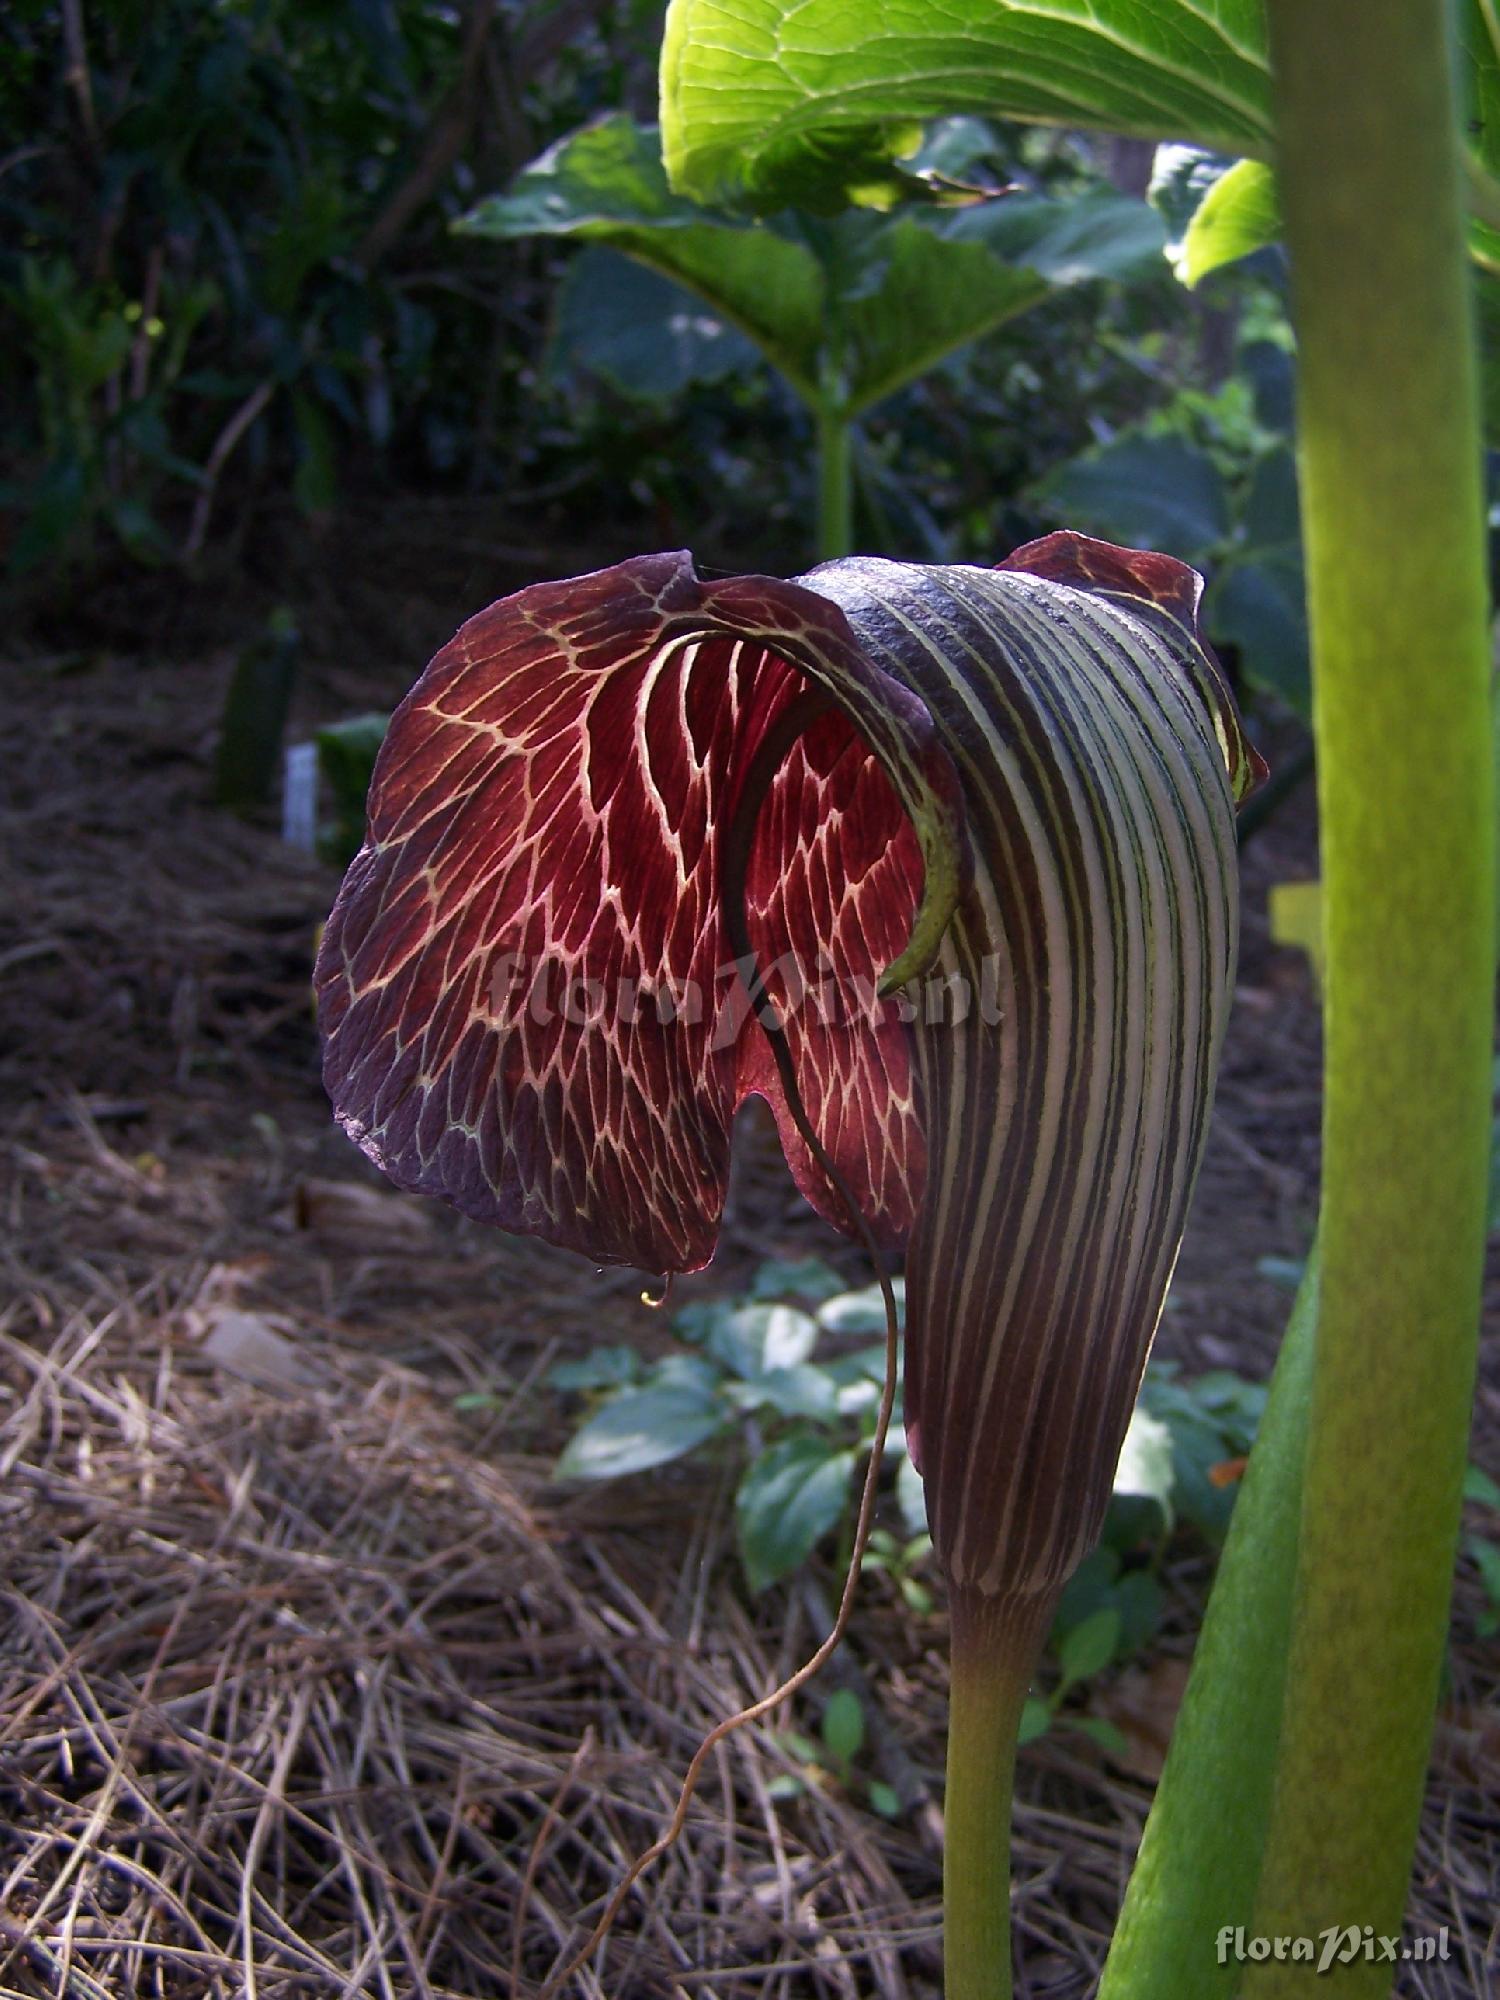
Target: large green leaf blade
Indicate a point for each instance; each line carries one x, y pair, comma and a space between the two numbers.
620, 320
765, 102
605, 184
952, 277
769, 102
1151, 492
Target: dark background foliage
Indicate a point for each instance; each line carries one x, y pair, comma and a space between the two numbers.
228, 284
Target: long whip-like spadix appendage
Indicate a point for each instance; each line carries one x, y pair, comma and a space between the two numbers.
802, 713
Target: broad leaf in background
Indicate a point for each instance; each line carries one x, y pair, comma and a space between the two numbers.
605, 184
848, 308
871, 301
619, 320
1258, 599
641, 1428
1150, 492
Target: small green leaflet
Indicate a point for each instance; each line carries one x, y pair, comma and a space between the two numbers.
788, 1500
1089, 1647
641, 1428
843, 1727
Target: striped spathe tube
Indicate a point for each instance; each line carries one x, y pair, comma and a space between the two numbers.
1101, 758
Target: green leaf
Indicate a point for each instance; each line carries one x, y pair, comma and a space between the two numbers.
806, 1278
884, 1799
861, 1312
605, 185
910, 1497
641, 1428
1090, 1588
1479, 1486
1288, 1272
1090, 1646
951, 277
1180, 177
639, 331
1479, 70
778, 101
1147, 492
604, 1368
800, 1391
686, 1371
787, 1501
346, 758
1103, 1732
1257, 603
1094, 235
751, 1341
1239, 215
1487, 1558
843, 1727
1145, 1464
697, 1319
820, 102
1036, 1720
1139, 1600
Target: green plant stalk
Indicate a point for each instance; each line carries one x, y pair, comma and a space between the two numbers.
835, 481
1199, 1864
1389, 467
995, 1643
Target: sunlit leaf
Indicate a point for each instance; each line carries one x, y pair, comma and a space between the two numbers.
862, 1311
1239, 215
1145, 1465
754, 1339
791, 100
815, 102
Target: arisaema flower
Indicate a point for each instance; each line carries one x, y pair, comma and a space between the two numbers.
980, 823
970, 833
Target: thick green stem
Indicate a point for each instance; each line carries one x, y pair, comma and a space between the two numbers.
995, 1647
1389, 443
835, 482
1198, 1871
